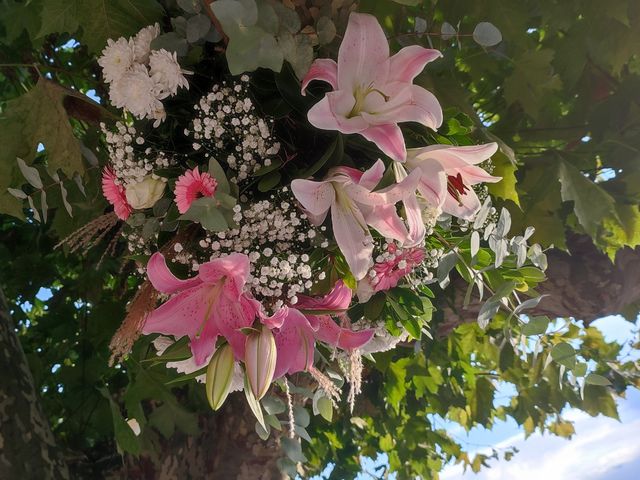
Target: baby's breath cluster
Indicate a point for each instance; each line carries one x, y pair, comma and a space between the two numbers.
129, 167
277, 238
228, 127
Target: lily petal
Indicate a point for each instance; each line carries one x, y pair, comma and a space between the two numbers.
387, 222
353, 238
234, 269
323, 69
389, 139
163, 280
344, 338
363, 57
409, 62
332, 113
414, 221
315, 197
412, 104
473, 175
465, 208
339, 298
295, 345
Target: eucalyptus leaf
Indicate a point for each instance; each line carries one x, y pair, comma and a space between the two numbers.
487, 34
31, 174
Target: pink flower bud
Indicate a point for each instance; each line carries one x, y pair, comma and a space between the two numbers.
260, 361
219, 375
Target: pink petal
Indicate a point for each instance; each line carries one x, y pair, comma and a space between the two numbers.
276, 320
411, 104
315, 197
234, 269
353, 238
344, 338
230, 316
413, 212
387, 222
363, 57
457, 156
371, 177
203, 345
323, 69
466, 208
339, 298
389, 139
184, 314
295, 344
332, 113
409, 62
473, 175
163, 280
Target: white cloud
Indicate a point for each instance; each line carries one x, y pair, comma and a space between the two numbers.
600, 447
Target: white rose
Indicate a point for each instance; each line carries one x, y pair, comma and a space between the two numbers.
146, 193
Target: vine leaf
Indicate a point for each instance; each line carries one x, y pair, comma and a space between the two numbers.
23, 129
99, 19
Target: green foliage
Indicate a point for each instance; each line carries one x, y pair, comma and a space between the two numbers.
100, 20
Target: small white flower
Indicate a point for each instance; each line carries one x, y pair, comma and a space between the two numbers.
116, 59
142, 42
166, 72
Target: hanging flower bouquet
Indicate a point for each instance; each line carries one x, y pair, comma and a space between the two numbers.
281, 227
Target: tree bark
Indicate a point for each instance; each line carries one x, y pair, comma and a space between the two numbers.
227, 449
27, 446
582, 283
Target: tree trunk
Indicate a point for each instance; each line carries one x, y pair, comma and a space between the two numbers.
582, 283
27, 446
227, 449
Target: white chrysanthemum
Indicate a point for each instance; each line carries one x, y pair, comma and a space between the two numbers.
166, 71
117, 58
137, 92
142, 42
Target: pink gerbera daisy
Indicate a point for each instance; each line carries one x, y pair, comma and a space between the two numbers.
115, 194
193, 185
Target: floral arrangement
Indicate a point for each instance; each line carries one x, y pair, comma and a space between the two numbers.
263, 259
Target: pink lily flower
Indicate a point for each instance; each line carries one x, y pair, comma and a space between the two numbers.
373, 92
209, 305
449, 172
296, 332
347, 192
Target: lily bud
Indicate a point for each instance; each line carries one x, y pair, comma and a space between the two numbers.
260, 361
219, 375
145, 193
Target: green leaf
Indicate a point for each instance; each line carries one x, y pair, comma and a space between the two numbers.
24, 127
536, 326
205, 211
269, 181
100, 19
532, 79
217, 172
487, 34
591, 204
126, 439
250, 46
564, 354
293, 449
595, 379
505, 188
395, 386
325, 407
253, 402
